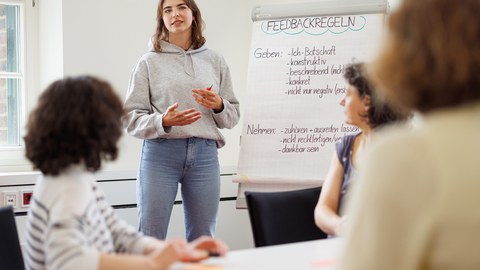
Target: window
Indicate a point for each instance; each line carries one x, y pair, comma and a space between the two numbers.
18, 78
12, 76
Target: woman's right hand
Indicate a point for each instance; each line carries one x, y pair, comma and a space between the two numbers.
179, 250
170, 253
206, 244
173, 117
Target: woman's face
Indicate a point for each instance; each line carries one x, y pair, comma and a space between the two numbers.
177, 16
355, 107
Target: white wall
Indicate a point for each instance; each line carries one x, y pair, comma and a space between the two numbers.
106, 38
51, 45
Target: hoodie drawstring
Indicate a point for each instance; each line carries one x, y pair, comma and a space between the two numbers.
188, 65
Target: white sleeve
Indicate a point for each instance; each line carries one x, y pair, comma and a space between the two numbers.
68, 248
126, 239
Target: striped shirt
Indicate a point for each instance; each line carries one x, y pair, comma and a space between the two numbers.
70, 224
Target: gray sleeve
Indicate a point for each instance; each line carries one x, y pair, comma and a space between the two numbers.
140, 119
230, 114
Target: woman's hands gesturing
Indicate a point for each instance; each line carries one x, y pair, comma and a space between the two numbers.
208, 99
173, 117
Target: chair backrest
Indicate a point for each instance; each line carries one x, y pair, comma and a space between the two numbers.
283, 217
10, 252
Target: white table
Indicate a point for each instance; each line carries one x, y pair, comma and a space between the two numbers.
310, 255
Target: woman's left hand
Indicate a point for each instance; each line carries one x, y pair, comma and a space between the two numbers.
208, 99
208, 244
200, 249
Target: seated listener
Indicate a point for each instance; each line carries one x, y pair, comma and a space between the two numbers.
70, 225
416, 206
363, 110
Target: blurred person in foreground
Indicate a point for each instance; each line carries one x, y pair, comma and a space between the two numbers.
416, 205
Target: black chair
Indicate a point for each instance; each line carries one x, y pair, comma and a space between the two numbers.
283, 217
10, 252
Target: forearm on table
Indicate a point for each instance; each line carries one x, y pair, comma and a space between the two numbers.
328, 220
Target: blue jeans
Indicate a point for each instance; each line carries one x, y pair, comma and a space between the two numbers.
165, 163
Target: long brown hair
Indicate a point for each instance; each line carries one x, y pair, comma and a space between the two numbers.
161, 32
431, 58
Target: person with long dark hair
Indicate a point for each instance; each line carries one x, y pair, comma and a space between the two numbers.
366, 111
180, 95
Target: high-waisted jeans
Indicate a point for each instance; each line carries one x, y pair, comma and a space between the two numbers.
164, 164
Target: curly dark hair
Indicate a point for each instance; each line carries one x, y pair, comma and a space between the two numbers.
380, 112
77, 120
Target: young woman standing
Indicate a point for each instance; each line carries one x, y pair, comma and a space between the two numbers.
180, 95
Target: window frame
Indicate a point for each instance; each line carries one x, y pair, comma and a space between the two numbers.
12, 157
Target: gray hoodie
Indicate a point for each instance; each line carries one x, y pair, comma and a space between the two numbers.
162, 78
